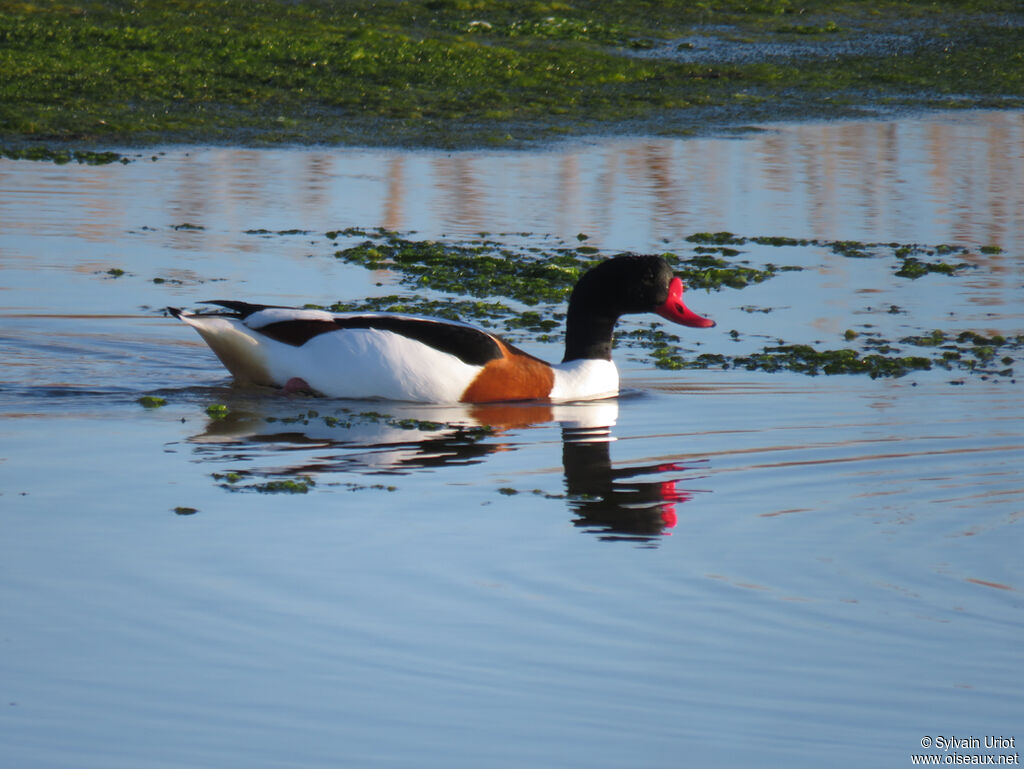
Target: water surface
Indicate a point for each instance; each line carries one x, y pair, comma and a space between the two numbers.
723, 568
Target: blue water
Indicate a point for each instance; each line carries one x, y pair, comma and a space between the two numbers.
718, 568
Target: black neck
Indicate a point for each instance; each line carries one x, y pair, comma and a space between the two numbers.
588, 336
624, 284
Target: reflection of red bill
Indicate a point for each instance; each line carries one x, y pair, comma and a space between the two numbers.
670, 493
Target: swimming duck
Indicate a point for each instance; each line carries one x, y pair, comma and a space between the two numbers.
408, 358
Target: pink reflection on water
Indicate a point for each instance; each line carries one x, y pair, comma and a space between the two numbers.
948, 178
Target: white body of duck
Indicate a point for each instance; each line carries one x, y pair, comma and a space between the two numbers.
409, 358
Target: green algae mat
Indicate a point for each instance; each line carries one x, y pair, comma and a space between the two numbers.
539, 281
456, 73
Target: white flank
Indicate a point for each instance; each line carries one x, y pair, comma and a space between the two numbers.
369, 363
348, 363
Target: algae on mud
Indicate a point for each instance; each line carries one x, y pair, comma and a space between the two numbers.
231, 481
477, 72
63, 155
970, 352
485, 268
538, 281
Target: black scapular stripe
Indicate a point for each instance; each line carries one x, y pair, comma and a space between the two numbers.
243, 310
470, 345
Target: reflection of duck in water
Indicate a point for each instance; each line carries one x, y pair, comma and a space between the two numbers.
607, 505
406, 358
612, 501
408, 438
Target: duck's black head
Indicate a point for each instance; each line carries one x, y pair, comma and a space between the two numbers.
617, 287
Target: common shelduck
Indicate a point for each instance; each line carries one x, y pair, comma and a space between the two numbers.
407, 358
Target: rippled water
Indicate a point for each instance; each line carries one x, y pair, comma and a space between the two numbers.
718, 568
